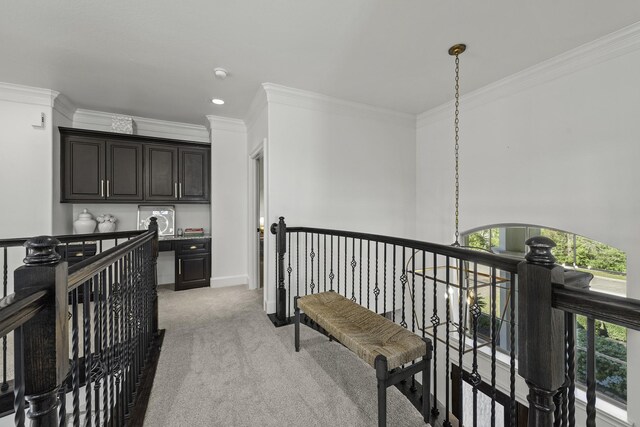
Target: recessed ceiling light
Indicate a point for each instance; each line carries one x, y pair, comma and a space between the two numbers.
217, 101
220, 73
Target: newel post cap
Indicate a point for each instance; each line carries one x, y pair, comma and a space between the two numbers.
41, 250
540, 250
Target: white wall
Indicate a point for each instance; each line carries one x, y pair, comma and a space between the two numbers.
26, 161
557, 146
335, 164
228, 201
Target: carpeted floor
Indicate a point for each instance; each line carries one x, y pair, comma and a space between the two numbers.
224, 364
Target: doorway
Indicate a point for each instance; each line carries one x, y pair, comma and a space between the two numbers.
259, 218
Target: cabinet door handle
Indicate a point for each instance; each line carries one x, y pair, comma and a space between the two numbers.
102, 188
193, 247
179, 267
175, 189
181, 190
107, 188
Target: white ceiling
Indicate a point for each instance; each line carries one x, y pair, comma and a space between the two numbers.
155, 58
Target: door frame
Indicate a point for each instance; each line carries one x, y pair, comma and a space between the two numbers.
254, 214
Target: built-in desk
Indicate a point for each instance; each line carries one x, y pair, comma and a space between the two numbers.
192, 260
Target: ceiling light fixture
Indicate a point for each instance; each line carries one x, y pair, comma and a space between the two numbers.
220, 73
217, 101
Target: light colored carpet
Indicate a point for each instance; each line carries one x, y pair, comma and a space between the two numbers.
224, 364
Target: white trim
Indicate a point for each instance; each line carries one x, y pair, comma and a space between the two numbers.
27, 94
227, 124
251, 216
101, 120
225, 281
270, 306
64, 106
600, 50
278, 94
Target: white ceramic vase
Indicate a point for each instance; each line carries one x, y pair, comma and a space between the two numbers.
107, 227
85, 224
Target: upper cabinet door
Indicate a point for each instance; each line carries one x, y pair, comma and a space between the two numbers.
161, 164
84, 169
194, 175
124, 171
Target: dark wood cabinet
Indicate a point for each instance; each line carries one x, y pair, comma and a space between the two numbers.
193, 263
194, 174
111, 167
161, 172
124, 171
84, 169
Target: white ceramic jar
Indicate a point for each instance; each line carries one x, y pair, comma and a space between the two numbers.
85, 224
107, 227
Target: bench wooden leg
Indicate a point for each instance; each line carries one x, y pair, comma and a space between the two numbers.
426, 381
297, 323
382, 372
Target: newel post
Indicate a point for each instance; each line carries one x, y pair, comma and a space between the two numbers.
280, 230
541, 345
42, 344
155, 247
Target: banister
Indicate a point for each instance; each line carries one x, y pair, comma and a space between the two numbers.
72, 238
615, 309
502, 262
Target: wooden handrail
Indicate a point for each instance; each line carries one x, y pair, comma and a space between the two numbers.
502, 262
72, 238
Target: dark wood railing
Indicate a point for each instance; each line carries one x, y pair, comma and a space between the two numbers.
88, 331
466, 301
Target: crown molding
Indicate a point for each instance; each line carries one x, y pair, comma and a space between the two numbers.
278, 94
258, 105
611, 46
64, 106
27, 94
226, 124
100, 120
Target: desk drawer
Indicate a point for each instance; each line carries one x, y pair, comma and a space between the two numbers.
165, 245
188, 247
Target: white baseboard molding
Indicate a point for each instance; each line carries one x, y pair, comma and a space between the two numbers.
222, 282
270, 306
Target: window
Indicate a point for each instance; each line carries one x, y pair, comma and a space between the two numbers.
608, 266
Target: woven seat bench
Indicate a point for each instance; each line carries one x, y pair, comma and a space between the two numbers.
378, 341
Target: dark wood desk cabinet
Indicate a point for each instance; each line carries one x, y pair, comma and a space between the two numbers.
110, 167
192, 262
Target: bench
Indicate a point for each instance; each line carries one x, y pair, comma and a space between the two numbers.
378, 341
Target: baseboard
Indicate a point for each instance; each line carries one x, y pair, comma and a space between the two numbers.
223, 282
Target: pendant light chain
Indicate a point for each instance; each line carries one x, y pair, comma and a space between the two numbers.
457, 146
456, 50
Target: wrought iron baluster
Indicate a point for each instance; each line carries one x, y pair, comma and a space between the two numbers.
331, 275
111, 366
104, 357
324, 258
318, 262
306, 256
289, 270
338, 268
18, 378
86, 318
345, 267
393, 287
403, 283
447, 376
360, 274
413, 309
591, 372
435, 322
312, 256
96, 363
384, 281
5, 384
62, 406
368, 271
571, 370
353, 269
376, 288
475, 376
512, 353
462, 317
75, 375
494, 340
297, 263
